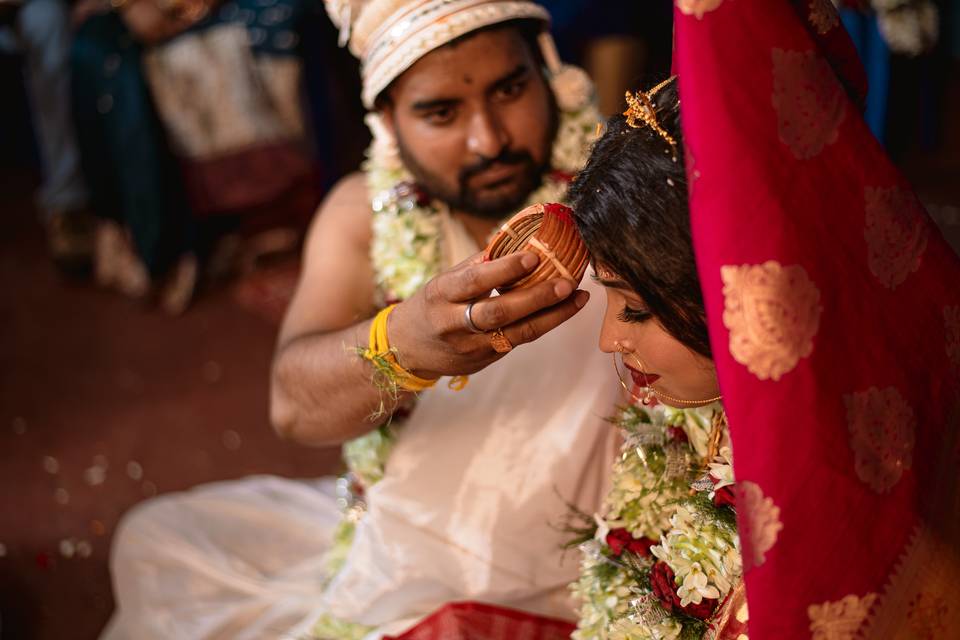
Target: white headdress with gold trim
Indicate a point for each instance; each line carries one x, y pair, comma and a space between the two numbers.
388, 36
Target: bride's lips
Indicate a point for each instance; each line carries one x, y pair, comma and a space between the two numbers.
642, 379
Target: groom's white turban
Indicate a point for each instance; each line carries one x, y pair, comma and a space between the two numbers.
388, 36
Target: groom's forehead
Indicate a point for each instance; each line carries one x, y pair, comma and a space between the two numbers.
473, 63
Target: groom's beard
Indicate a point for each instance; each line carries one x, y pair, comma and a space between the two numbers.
475, 201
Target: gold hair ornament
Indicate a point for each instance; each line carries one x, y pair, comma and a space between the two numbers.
640, 111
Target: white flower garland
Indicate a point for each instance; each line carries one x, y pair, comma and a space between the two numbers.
673, 463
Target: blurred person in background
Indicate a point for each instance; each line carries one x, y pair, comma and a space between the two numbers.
189, 116
40, 31
882, 29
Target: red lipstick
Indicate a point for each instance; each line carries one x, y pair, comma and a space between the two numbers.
642, 379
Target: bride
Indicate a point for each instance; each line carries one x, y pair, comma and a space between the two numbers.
843, 519
663, 561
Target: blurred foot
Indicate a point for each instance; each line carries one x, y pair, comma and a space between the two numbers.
267, 245
181, 284
116, 265
70, 241
224, 261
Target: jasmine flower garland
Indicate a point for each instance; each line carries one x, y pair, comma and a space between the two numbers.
665, 558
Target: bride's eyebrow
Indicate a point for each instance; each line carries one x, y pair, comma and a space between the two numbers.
613, 283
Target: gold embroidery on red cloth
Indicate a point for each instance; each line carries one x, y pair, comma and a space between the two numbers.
759, 525
922, 593
809, 102
697, 7
823, 15
951, 322
730, 622
896, 233
921, 598
927, 614
772, 313
882, 430
839, 620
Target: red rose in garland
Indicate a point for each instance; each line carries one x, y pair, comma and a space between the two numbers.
662, 581
620, 540
725, 496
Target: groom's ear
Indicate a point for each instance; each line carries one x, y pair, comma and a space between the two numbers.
386, 111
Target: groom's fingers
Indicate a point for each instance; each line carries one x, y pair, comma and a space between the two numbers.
538, 324
472, 279
514, 306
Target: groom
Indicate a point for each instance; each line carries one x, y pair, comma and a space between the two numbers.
473, 117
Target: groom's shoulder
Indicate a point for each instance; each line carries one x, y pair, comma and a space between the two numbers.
344, 216
349, 191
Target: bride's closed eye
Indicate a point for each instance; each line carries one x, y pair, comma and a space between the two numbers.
633, 315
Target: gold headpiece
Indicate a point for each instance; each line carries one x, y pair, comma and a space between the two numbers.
640, 111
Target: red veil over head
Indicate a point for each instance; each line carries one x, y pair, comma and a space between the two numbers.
834, 312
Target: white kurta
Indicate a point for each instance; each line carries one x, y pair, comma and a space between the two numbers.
467, 510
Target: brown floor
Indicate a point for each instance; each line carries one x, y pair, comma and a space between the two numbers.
94, 389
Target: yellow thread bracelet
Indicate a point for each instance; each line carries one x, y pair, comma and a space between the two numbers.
379, 349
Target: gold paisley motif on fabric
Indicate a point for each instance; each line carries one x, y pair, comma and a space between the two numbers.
772, 313
809, 102
882, 430
697, 7
823, 15
759, 523
839, 620
896, 233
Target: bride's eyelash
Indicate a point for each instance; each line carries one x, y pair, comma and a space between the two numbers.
634, 315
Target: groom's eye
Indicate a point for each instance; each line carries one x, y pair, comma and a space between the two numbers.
629, 314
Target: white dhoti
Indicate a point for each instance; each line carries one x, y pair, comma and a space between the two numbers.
468, 509
239, 559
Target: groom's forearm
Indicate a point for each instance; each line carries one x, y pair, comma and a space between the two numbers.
322, 393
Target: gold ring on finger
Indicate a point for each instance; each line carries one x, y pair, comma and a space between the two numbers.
500, 342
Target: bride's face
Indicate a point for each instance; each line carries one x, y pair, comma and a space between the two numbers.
655, 358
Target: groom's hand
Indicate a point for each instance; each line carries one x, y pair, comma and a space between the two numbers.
430, 330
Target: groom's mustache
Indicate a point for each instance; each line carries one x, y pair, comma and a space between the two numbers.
507, 156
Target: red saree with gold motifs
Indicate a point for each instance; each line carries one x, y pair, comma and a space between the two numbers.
834, 312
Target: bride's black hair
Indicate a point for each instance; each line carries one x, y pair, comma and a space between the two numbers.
630, 204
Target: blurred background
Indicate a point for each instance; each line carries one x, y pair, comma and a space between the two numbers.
159, 163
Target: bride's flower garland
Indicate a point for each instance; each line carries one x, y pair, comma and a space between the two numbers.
406, 252
664, 560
